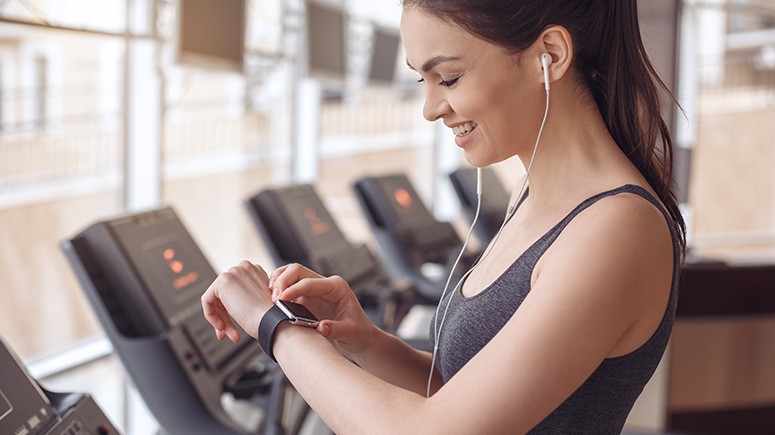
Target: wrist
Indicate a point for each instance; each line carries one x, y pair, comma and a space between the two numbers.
369, 345
268, 327
282, 312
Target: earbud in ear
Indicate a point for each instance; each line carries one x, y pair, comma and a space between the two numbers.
546, 60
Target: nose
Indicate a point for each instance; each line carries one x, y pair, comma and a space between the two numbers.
435, 106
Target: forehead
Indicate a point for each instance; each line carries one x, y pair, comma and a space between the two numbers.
426, 36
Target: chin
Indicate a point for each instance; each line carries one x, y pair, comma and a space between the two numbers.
477, 161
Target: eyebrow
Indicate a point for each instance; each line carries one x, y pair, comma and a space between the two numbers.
433, 62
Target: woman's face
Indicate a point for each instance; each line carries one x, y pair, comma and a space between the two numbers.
491, 100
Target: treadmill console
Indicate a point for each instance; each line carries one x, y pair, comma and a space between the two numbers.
28, 409
297, 228
397, 207
410, 237
144, 276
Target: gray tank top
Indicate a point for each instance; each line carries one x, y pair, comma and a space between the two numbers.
601, 404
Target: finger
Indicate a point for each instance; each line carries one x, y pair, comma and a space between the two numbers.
229, 331
213, 309
223, 326
279, 271
275, 274
290, 274
310, 287
219, 318
333, 330
216, 314
232, 333
324, 328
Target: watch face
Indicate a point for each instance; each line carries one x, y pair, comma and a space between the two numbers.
298, 313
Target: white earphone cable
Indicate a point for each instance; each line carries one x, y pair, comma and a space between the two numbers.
509, 214
446, 286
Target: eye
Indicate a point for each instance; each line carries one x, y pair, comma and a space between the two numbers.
449, 83
420, 80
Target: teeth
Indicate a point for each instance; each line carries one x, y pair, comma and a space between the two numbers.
460, 130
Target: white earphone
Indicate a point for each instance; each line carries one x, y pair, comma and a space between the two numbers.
546, 60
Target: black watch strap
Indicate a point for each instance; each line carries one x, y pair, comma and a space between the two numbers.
267, 328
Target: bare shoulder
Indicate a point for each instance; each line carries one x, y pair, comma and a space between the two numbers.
622, 231
617, 255
625, 222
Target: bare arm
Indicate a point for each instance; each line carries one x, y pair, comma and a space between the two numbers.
393, 360
592, 289
347, 327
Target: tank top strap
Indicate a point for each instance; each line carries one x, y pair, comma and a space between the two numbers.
553, 233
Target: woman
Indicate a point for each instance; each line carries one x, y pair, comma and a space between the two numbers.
566, 317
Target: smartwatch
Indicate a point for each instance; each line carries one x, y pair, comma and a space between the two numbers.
282, 311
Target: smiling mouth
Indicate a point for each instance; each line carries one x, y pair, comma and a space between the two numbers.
464, 129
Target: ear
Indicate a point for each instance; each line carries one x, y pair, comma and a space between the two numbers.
557, 42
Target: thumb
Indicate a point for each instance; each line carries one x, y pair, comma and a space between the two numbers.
334, 330
324, 328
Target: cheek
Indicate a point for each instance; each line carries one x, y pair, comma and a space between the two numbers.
513, 117
501, 118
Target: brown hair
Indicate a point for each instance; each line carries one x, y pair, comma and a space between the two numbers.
609, 55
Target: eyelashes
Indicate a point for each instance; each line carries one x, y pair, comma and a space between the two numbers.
449, 83
444, 83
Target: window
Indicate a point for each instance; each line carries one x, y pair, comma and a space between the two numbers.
40, 93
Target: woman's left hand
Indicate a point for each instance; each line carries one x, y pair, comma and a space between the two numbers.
241, 293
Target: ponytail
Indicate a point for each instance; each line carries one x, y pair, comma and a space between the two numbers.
625, 87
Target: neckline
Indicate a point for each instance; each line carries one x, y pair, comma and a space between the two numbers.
630, 188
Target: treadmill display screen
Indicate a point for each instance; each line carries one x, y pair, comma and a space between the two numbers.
174, 270
24, 409
313, 223
404, 200
174, 267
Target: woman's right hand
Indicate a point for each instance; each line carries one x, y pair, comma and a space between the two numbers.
342, 319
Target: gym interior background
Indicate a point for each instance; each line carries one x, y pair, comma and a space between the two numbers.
114, 107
